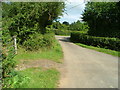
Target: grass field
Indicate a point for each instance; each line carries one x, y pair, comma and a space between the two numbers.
107, 51
39, 78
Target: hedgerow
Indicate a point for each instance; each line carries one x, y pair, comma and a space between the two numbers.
103, 42
62, 32
39, 41
10, 78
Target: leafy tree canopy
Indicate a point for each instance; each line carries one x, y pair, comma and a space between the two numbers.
103, 18
66, 23
27, 18
78, 26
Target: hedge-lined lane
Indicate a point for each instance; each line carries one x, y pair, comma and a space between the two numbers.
103, 42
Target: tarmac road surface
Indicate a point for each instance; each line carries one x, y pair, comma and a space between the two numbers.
86, 68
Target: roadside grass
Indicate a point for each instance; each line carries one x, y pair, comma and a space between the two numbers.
107, 51
54, 54
39, 78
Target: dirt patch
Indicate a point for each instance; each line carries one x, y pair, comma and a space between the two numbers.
45, 64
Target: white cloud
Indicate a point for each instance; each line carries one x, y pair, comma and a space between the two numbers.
74, 9
70, 18
75, 0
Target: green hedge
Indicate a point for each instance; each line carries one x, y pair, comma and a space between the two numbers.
39, 41
62, 32
66, 32
103, 42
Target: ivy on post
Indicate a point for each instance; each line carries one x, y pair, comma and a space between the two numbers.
15, 43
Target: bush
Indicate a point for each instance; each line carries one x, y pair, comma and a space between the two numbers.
34, 42
103, 42
8, 53
62, 32
48, 40
10, 78
38, 41
15, 80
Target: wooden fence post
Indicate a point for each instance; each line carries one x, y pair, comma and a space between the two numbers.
15, 44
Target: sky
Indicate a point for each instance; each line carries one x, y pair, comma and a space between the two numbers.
74, 9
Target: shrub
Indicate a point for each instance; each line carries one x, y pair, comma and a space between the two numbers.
103, 42
48, 40
39, 41
10, 78
15, 80
62, 32
34, 42
8, 53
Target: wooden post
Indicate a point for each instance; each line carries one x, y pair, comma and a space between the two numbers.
15, 44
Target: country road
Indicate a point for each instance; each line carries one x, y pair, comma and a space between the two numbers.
86, 68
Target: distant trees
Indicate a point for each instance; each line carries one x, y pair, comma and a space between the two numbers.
75, 26
103, 18
66, 23
60, 26
78, 26
56, 25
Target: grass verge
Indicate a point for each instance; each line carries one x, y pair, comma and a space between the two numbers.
39, 78
107, 51
54, 54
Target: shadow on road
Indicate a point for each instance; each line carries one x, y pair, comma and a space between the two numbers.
65, 39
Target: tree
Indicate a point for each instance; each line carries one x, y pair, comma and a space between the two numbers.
56, 25
103, 18
66, 23
28, 18
78, 26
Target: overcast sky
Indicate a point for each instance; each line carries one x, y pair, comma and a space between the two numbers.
74, 9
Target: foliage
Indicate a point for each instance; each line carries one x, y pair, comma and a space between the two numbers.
61, 32
103, 18
55, 54
66, 23
48, 40
66, 28
34, 42
15, 81
66, 32
10, 78
8, 63
78, 26
56, 25
38, 41
28, 18
103, 42
59, 26
7, 51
